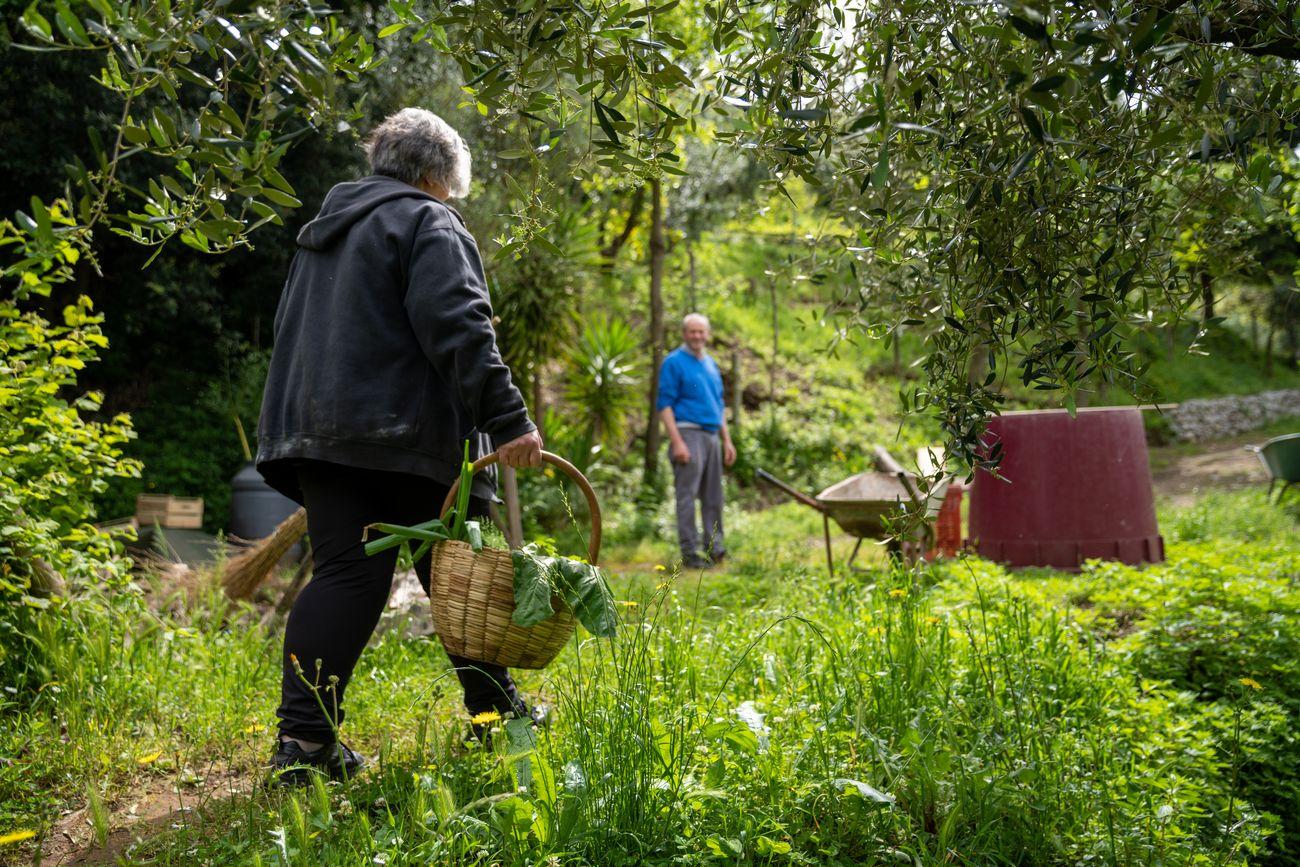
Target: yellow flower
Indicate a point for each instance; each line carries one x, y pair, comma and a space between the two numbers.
17, 837
932, 620
659, 567
627, 603
149, 759
487, 716
255, 728
898, 592
1250, 682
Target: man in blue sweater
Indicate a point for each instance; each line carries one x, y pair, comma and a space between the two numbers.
690, 404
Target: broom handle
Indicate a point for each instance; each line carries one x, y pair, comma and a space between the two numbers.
593, 546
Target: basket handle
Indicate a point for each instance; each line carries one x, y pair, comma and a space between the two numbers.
593, 545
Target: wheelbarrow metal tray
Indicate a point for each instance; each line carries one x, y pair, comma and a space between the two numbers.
860, 504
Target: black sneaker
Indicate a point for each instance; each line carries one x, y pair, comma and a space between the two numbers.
293, 766
695, 561
718, 559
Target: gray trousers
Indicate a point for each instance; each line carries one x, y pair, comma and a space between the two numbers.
700, 478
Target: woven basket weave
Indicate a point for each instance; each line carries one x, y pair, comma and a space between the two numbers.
473, 594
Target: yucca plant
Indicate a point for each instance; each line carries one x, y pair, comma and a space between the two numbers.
601, 382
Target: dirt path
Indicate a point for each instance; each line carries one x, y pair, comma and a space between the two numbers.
159, 803
1181, 472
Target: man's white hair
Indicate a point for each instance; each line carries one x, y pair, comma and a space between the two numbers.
696, 317
414, 145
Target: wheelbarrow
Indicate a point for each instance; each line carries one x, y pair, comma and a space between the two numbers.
864, 505
1281, 459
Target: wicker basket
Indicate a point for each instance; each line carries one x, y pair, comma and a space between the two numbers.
473, 594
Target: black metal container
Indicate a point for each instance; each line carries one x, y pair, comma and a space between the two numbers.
256, 508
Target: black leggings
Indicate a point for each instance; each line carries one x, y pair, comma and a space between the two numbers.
337, 611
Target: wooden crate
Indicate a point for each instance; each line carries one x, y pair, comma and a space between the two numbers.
165, 510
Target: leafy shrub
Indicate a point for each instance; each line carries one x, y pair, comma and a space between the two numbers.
1218, 624
56, 458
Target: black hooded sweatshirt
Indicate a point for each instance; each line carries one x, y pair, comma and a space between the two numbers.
385, 357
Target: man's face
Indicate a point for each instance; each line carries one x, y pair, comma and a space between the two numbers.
695, 335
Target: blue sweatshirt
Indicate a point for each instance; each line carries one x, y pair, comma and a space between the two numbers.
692, 387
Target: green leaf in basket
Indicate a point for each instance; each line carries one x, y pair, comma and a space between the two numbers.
583, 587
474, 535
532, 587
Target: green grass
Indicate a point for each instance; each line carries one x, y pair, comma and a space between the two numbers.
762, 714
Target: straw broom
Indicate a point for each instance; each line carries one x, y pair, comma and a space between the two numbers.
246, 572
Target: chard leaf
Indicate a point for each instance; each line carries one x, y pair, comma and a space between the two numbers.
532, 588
584, 589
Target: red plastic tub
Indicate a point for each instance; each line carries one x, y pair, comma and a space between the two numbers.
1072, 489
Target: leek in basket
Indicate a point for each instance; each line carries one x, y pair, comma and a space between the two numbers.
538, 576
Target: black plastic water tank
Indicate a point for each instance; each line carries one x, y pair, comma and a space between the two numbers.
256, 508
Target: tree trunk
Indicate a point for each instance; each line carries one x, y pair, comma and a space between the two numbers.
776, 349
610, 251
737, 391
1268, 350
691, 305
1207, 298
657, 252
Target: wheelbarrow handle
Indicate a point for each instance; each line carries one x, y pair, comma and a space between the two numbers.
765, 476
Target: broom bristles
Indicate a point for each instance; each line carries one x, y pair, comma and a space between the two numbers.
246, 572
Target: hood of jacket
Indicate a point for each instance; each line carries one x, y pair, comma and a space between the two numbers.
352, 201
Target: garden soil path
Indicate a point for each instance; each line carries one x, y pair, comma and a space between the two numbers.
155, 805
1181, 472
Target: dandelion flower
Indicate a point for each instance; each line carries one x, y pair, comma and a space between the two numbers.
898, 592
659, 567
149, 759
487, 716
16, 837
1250, 682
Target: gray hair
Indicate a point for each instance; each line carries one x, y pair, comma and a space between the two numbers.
696, 317
415, 144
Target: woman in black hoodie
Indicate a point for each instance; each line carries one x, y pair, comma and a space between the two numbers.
385, 363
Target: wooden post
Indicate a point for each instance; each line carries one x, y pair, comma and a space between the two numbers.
658, 248
514, 517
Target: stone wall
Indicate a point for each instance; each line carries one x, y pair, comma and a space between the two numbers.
1210, 418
